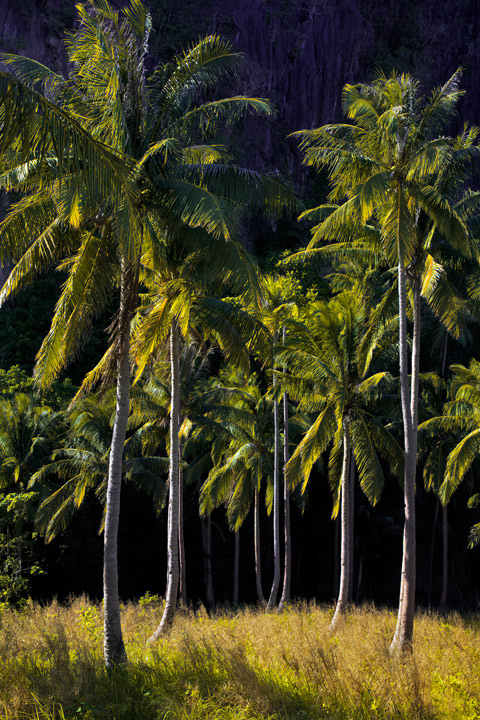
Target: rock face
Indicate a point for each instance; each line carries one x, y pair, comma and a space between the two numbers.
299, 53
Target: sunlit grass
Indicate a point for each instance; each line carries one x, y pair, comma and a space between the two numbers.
237, 666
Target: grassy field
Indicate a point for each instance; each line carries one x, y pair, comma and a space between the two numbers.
239, 666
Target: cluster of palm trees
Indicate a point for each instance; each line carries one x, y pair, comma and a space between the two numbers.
125, 187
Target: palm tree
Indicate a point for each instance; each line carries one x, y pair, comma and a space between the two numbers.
178, 306
80, 463
387, 167
435, 450
277, 305
239, 421
330, 372
461, 417
27, 433
107, 156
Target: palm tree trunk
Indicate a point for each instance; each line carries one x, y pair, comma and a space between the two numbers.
114, 648
287, 568
236, 567
403, 637
443, 598
172, 540
351, 549
258, 566
343, 594
207, 560
276, 501
181, 533
432, 551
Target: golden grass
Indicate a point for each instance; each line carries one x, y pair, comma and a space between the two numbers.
237, 666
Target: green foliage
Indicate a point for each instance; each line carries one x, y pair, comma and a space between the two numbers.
17, 546
15, 380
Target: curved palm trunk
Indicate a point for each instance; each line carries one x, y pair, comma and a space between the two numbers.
343, 593
258, 565
287, 568
114, 648
276, 504
443, 598
236, 567
172, 541
403, 637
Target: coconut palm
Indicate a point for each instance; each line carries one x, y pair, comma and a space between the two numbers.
435, 446
28, 431
276, 307
178, 306
387, 168
240, 419
80, 463
460, 418
332, 373
103, 155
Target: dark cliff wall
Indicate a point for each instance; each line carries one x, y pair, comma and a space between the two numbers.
299, 52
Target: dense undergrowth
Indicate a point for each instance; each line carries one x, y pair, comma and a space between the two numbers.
237, 666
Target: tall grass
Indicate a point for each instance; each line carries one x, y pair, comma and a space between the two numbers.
237, 666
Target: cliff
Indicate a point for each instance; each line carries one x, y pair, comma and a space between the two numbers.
299, 52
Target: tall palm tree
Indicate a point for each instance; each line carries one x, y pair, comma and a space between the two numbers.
332, 372
176, 307
104, 154
276, 307
385, 168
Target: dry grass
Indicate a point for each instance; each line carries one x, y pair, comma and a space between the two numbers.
240, 666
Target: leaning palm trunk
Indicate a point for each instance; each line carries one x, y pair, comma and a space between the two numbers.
258, 565
287, 568
403, 637
172, 541
114, 648
343, 593
276, 506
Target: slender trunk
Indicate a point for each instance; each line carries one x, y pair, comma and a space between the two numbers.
432, 550
276, 500
444, 354
351, 547
287, 568
258, 566
336, 569
181, 534
114, 648
207, 560
403, 637
172, 540
443, 598
343, 593
359, 580
236, 567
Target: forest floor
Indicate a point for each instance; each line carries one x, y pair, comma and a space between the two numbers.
237, 665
